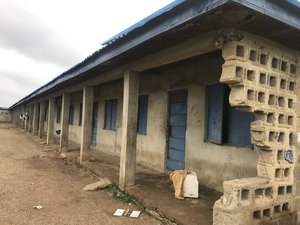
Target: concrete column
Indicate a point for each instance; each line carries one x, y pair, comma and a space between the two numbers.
23, 113
35, 119
129, 126
16, 117
26, 120
87, 113
42, 117
30, 119
64, 123
50, 126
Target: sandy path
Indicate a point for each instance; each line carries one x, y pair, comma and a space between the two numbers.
30, 175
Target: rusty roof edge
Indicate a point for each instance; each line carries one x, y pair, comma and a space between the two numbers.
143, 21
294, 2
274, 9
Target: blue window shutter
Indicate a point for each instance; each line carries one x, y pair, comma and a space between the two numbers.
111, 114
80, 115
239, 127
58, 114
46, 113
71, 114
114, 106
107, 114
142, 114
215, 100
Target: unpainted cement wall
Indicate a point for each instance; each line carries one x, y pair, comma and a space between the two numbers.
205, 158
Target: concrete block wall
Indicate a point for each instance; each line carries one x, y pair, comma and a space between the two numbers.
262, 76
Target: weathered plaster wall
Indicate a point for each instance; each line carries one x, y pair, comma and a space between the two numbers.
205, 158
109, 141
209, 159
57, 126
151, 147
75, 129
5, 116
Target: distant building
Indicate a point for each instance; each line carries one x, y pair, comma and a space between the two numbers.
5, 115
209, 86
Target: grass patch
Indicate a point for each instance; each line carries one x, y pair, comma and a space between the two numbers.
120, 195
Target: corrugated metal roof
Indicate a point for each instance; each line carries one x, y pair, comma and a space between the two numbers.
294, 2
142, 22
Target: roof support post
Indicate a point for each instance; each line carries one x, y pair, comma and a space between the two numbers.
64, 135
35, 119
26, 118
23, 116
30, 118
42, 117
50, 125
16, 117
129, 133
87, 113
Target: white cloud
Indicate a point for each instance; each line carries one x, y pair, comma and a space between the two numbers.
23, 32
41, 39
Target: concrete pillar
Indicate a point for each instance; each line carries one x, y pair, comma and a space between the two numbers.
64, 123
16, 116
35, 119
42, 117
23, 113
129, 126
50, 126
30, 118
26, 120
87, 113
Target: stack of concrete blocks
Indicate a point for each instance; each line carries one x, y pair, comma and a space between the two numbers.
262, 76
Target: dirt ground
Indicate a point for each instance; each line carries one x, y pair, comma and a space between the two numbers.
32, 174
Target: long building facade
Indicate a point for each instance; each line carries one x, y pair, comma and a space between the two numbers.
208, 86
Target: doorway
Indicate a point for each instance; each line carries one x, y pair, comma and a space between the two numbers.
177, 116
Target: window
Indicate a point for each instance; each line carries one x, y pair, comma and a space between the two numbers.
58, 102
71, 115
142, 114
80, 115
58, 114
225, 124
110, 114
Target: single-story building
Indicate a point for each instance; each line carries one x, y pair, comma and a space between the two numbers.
209, 86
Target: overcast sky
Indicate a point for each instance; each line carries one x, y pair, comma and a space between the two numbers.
40, 39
